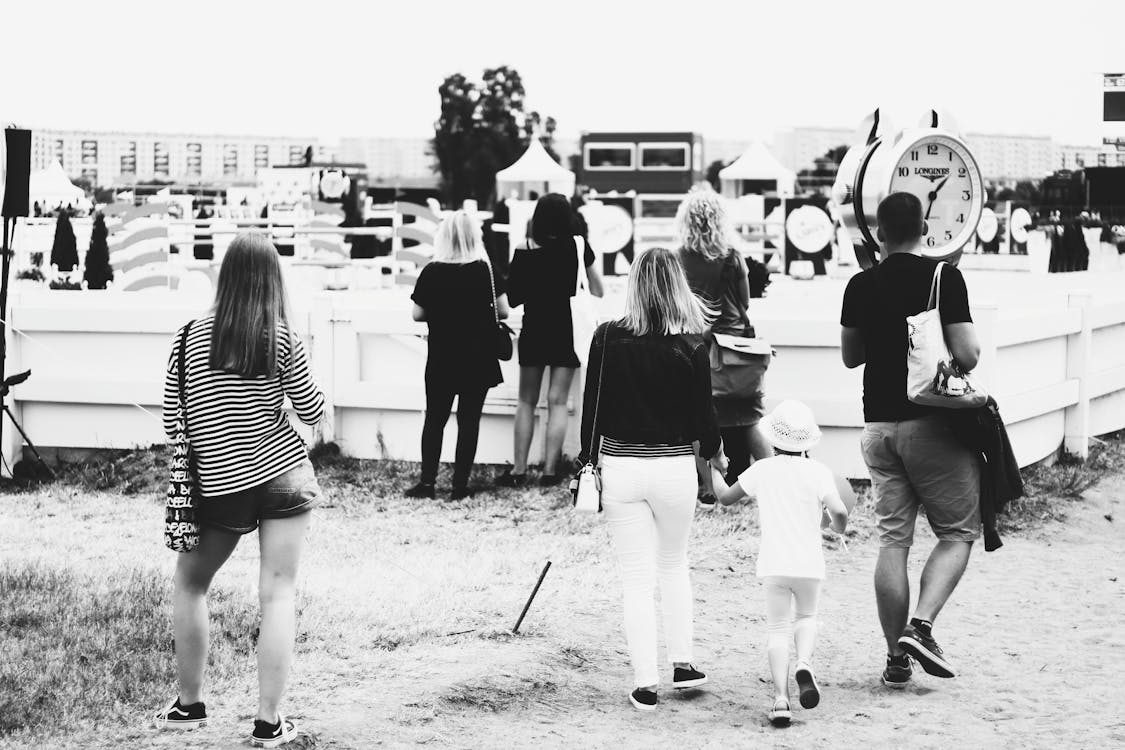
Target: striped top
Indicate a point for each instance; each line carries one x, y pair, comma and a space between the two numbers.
611, 447
239, 434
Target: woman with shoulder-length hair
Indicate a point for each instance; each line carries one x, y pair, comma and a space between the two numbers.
717, 273
649, 384
455, 294
542, 278
241, 362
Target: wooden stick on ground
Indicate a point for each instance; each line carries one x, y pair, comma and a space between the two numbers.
534, 591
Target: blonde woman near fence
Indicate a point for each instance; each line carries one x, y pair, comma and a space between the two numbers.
648, 380
242, 361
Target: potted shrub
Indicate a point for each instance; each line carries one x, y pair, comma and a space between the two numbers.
64, 249
98, 272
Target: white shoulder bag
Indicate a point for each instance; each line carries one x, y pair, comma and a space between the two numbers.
587, 485
583, 308
933, 377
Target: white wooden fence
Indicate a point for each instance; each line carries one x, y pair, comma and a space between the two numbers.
1054, 355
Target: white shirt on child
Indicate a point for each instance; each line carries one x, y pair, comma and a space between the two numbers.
791, 493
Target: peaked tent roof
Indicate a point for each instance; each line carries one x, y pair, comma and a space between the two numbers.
757, 163
535, 165
52, 183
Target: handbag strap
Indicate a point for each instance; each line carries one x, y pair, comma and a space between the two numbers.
935, 288
581, 279
492, 289
182, 367
595, 450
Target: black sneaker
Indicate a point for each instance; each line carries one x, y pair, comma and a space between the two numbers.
550, 480
273, 735
925, 651
707, 501
176, 716
687, 678
460, 493
643, 700
421, 490
508, 479
806, 683
898, 672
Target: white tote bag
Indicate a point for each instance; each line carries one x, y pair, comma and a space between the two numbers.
933, 378
583, 308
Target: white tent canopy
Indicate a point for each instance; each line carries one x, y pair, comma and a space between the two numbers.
51, 187
535, 170
756, 163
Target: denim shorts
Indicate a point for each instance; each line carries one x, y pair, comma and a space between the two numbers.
919, 462
289, 494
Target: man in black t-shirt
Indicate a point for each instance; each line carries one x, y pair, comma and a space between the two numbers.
910, 451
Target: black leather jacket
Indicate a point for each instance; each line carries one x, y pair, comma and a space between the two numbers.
655, 390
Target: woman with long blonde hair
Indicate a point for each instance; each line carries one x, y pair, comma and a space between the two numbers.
647, 404
240, 364
717, 273
455, 295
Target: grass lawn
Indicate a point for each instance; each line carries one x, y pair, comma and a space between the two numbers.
406, 609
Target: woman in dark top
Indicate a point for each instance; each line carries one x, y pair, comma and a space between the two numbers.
718, 274
454, 295
542, 278
647, 403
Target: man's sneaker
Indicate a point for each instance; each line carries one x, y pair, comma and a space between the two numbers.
898, 672
806, 682
925, 651
421, 490
707, 501
273, 735
176, 716
781, 714
508, 479
643, 700
687, 678
460, 493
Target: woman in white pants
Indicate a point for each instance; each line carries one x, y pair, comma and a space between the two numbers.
647, 401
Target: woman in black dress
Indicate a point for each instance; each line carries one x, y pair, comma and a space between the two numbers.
542, 278
454, 296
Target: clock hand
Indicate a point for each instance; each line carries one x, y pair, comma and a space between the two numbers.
933, 195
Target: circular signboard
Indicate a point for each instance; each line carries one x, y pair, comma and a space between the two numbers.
611, 227
809, 229
1020, 222
986, 228
333, 184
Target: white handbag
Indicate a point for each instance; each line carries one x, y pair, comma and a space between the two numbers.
933, 377
583, 308
587, 485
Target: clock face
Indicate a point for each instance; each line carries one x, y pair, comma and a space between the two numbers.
941, 172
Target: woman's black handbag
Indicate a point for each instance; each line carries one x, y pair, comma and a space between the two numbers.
502, 337
181, 530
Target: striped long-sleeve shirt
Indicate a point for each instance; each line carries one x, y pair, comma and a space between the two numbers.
238, 432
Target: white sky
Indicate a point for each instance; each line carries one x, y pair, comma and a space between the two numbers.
734, 69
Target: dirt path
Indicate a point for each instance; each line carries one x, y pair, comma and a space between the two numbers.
1034, 630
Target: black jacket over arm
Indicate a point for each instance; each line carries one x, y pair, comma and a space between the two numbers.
656, 390
982, 431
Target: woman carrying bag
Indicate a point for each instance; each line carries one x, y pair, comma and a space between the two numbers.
457, 297
648, 382
543, 278
240, 363
718, 274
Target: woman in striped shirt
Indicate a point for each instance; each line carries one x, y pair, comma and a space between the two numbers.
253, 470
647, 404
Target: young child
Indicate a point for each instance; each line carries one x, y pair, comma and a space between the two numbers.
791, 490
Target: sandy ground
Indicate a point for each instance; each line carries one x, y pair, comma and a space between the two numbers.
1034, 630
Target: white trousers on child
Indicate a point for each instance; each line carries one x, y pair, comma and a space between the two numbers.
788, 596
649, 504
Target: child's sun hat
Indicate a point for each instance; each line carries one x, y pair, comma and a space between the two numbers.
791, 427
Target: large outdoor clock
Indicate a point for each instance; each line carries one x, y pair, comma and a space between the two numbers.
931, 161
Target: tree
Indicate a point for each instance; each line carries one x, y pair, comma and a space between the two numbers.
483, 128
64, 250
98, 270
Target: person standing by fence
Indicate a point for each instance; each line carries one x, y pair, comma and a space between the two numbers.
542, 278
717, 273
649, 385
240, 364
455, 295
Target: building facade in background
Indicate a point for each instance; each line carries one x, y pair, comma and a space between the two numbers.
122, 158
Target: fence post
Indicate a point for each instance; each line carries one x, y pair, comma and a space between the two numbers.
985, 320
12, 446
323, 362
1076, 430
